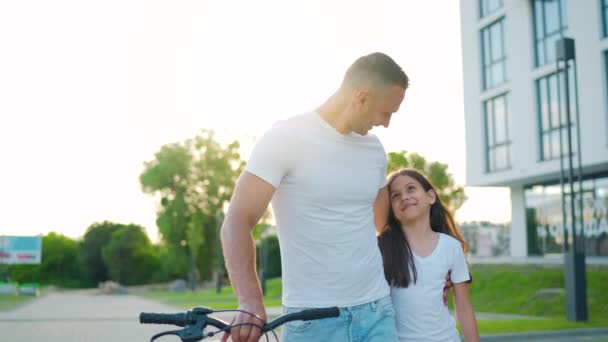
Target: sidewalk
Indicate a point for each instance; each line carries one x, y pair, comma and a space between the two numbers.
76, 317
81, 316
575, 335
555, 259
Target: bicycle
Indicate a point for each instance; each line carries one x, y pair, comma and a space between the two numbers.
195, 321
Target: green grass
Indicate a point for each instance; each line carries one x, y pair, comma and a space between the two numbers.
8, 302
508, 289
534, 290
548, 324
208, 297
515, 289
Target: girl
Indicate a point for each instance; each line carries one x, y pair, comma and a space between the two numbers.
419, 247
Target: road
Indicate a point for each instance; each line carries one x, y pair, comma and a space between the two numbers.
90, 317
71, 317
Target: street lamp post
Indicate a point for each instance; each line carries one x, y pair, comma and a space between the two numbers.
574, 251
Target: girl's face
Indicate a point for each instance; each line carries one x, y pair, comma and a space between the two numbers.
409, 200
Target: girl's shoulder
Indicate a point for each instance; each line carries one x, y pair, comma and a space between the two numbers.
449, 241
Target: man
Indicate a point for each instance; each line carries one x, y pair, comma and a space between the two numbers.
325, 176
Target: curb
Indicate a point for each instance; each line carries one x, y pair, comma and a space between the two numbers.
548, 335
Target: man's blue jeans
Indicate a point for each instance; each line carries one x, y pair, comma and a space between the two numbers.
371, 322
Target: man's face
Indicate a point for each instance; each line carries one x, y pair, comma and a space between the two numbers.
375, 108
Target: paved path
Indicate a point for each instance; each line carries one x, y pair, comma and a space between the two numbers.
82, 317
579, 335
63, 317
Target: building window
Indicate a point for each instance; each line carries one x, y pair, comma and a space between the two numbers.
550, 24
605, 18
498, 141
544, 218
488, 6
494, 58
552, 115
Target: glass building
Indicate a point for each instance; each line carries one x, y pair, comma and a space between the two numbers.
515, 117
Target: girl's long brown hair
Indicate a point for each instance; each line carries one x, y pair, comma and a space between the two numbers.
399, 267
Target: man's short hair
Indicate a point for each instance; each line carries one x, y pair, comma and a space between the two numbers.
375, 69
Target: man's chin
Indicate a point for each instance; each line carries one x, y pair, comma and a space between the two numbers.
363, 132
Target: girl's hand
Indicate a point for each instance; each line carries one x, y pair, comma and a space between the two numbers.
446, 288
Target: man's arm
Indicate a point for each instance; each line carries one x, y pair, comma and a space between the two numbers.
249, 201
381, 209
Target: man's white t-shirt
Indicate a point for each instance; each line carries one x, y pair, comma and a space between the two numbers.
419, 310
326, 184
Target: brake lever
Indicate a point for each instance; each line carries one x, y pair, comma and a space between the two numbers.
165, 333
190, 333
193, 332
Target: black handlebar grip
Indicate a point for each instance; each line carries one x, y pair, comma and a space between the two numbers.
179, 319
304, 315
310, 314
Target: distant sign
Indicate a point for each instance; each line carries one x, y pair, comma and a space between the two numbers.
20, 249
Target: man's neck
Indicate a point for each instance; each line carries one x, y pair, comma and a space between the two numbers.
333, 111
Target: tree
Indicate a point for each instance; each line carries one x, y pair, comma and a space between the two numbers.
96, 237
451, 195
272, 255
60, 265
130, 257
193, 180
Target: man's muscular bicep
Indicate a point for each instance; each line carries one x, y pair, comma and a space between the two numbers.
381, 209
251, 197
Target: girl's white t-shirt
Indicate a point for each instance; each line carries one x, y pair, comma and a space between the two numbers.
419, 310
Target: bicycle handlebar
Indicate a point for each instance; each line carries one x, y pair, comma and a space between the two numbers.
304, 315
198, 317
179, 319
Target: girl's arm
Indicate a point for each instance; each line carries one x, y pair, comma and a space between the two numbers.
465, 313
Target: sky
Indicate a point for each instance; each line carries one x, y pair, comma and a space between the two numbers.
89, 91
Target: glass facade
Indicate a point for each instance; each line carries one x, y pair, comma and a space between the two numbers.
544, 214
605, 18
552, 115
494, 58
488, 6
498, 141
550, 24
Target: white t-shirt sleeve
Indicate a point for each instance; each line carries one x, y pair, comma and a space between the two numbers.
270, 156
460, 269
